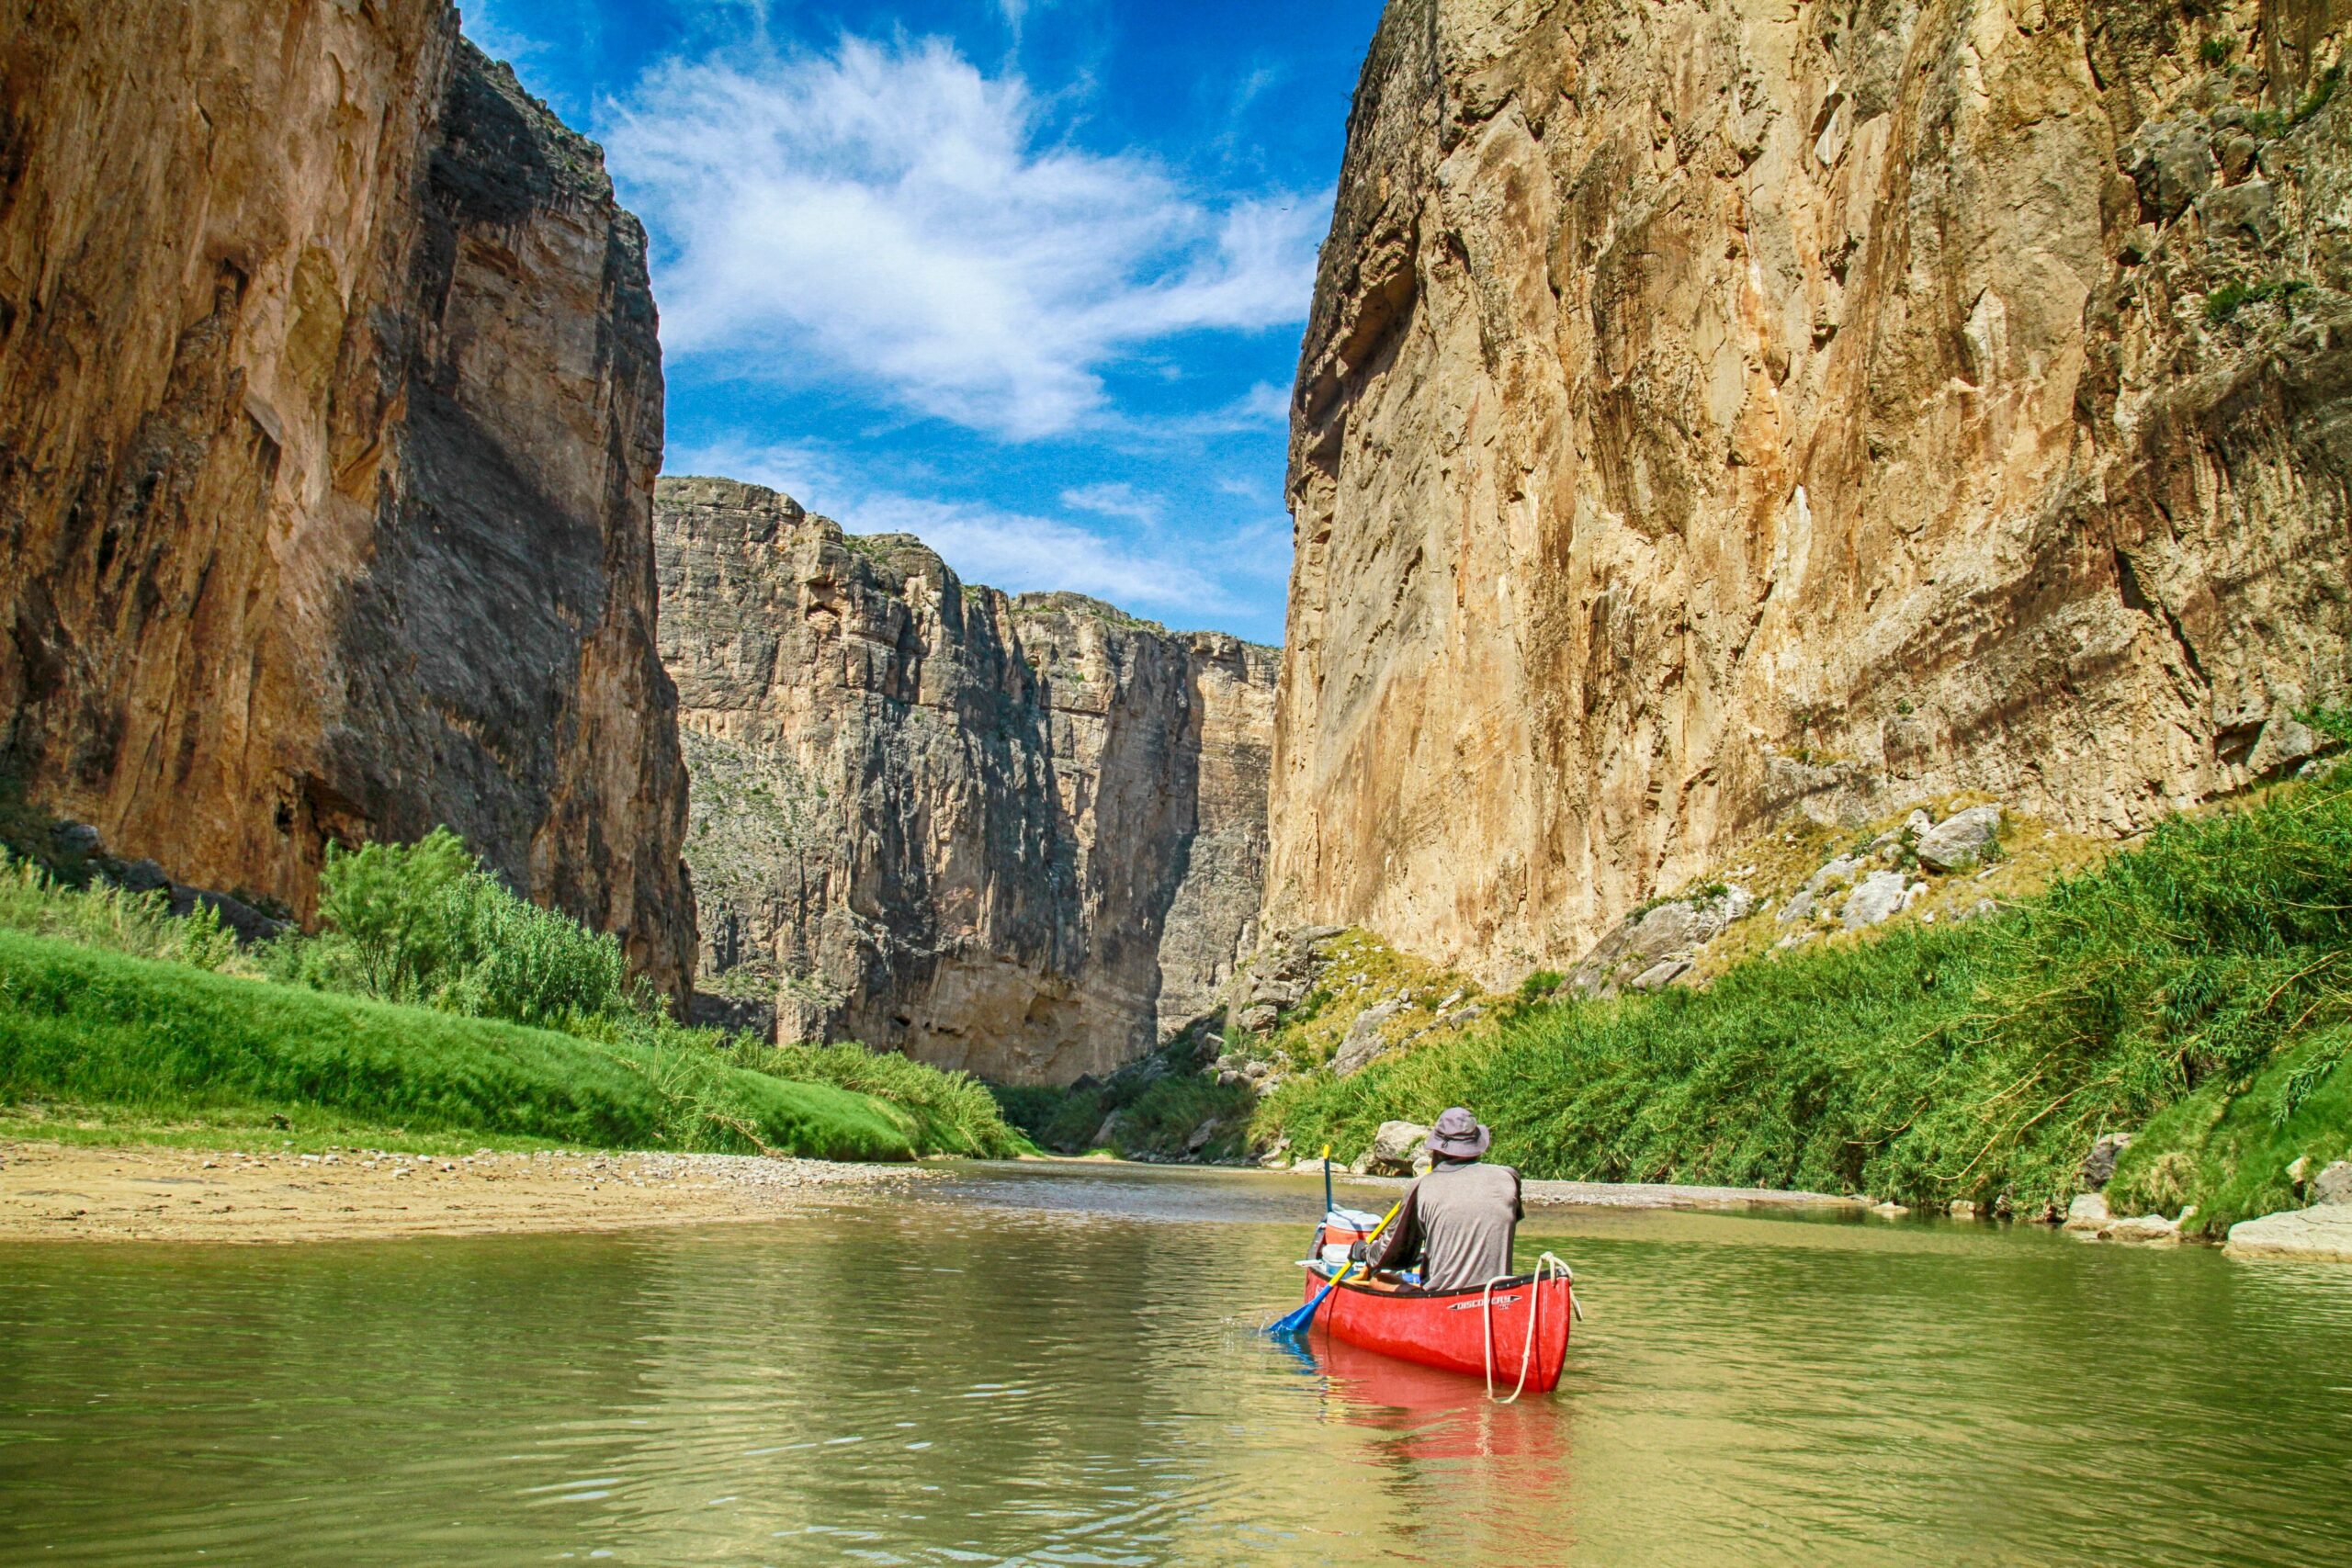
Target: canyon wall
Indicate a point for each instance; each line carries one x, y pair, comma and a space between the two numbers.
330, 412
1021, 836
1712, 411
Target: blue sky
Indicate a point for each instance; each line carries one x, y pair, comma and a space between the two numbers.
1025, 277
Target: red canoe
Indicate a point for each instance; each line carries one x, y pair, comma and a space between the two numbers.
1483, 1332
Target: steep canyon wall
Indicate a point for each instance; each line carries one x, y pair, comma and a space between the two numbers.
330, 412
1021, 836
1712, 409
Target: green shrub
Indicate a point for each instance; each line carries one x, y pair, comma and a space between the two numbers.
425, 922
158, 1038
953, 1112
1970, 1060
2226, 301
142, 924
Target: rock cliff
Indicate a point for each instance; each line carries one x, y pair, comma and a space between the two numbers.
1713, 411
1021, 836
330, 412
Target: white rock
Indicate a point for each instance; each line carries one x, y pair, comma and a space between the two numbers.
1659, 975
2333, 1185
1836, 874
1874, 899
1960, 841
2146, 1229
1800, 908
2089, 1212
2322, 1235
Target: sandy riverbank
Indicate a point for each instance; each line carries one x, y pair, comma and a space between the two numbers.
52, 1191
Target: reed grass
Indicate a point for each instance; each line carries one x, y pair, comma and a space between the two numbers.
2186, 989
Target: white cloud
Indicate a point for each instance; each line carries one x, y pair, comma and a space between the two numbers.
890, 214
1118, 500
1021, 553
1012, 550
494, 39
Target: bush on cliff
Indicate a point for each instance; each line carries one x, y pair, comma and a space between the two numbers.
1977, 1060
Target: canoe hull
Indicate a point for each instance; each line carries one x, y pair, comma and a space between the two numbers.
1450, 1331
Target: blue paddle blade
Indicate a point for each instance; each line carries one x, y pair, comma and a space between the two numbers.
1296, 1322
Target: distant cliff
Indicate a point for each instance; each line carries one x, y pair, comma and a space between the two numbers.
1022, 836
1711, 413
330, 412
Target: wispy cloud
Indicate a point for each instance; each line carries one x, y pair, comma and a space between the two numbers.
495, 39
889, 214
1118, 500
1013, 550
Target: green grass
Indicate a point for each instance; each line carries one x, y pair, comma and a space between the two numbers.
953, 1113
1975, 1060
160, 1042
424, 931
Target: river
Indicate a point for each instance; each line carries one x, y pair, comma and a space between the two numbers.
1057, 1365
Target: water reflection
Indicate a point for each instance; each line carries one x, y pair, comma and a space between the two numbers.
1060, 1366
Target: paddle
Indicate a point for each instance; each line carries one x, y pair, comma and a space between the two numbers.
1297, 1322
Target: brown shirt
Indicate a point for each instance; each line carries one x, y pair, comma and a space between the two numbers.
1464, 1216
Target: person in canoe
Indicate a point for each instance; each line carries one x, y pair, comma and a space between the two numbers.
1461, 1218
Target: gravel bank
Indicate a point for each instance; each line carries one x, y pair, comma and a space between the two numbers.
51, 1191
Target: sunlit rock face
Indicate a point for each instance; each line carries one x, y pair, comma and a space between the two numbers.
1021, 836
1712, 411
330, 412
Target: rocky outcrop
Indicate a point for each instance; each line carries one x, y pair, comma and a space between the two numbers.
1709, 415
1021, 836
330, 411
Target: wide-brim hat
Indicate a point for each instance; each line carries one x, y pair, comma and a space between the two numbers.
1459, 1136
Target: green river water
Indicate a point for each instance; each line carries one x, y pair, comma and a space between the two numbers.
1057, 1365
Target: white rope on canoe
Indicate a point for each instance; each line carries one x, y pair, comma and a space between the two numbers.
1546, 1268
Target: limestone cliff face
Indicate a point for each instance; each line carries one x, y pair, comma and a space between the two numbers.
1711, 410
330, 412
1021, 836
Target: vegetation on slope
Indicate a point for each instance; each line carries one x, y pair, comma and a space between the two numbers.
432, 1000
2198, 985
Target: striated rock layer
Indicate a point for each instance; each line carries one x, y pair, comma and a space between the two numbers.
330, 412
1021, 836
1712, 409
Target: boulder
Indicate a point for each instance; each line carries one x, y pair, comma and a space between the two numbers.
2333, 1185
1659, 975
142, 876
1836, 874
2146, 1229
1259, 1016
1201, 1136
1961, 1209
1875, 899
1399, 1148
1800, 908
74, 841
1365, 1040
2089, 1212
2321, 1235
1676, 929
1960, 841
2098, 1166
